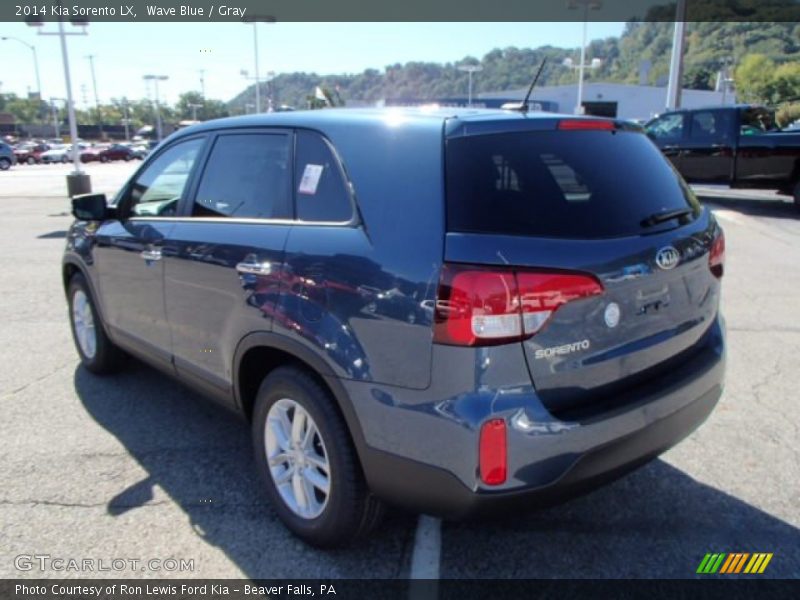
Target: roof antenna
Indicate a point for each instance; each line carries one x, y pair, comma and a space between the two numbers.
523, 106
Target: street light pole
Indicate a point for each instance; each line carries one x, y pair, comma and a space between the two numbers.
35, 61
194, 108
255, 57
127, 119
470, 69
54, 111
586, 4
78, 182
676, 61
254, 21
96, 97
155, 79
73, 123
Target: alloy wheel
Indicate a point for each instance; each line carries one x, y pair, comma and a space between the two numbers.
83, 322
297, 458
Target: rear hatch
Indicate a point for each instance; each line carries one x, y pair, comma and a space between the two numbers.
592, 236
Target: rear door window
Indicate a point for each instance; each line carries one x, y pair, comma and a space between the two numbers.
710, 126
246, 176
321, 191
564, 184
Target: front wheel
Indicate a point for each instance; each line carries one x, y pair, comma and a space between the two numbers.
308, 463
5, 164
97, 352
31, 160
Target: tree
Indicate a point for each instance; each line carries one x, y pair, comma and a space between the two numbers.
786, 83
208, 108
753, 78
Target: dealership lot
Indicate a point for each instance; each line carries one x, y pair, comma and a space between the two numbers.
132, 467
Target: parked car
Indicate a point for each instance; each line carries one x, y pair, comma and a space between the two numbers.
30, 153
7, 157
567, 279
139, 151
60, 154
740, 146
115, 152
91, 153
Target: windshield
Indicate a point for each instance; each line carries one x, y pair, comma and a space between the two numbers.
565, 184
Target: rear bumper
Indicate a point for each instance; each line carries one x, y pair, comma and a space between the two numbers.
425, 458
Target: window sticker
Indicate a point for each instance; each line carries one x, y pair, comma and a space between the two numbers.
310, 179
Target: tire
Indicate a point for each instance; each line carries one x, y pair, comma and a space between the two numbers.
797, 196
348, 511
31, 160
98, 353
103, 159
5, 164
64, 159
127, 158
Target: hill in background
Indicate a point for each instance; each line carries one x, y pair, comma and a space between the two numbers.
708, 47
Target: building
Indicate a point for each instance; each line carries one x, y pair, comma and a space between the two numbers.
612, 99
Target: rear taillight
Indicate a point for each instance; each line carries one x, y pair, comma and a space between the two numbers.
586, 124
492, 453
478, 306
716, 258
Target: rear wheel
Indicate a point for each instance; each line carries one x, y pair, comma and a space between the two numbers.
308, 463
104, 159
31, 160
97, 352
64, 159
5, 164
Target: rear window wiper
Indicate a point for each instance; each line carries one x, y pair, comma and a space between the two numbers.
666, 215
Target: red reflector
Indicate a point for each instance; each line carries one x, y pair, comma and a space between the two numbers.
492, 453
716, 258
586, 124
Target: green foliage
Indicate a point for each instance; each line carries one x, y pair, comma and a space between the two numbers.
759, 80
208, 109
788, 113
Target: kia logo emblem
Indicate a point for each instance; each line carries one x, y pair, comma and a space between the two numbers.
668, 258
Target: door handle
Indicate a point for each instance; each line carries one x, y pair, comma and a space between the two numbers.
254, 268
151, 254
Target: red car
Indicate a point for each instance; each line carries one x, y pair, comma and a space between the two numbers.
113, 152
30, 153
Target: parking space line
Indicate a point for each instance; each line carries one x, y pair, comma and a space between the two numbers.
427, 548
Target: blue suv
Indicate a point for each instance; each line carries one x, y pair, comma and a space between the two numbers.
452, 311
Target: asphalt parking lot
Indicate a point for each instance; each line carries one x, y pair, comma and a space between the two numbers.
133, 467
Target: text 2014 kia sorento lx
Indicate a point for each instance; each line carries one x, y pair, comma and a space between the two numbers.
448, 311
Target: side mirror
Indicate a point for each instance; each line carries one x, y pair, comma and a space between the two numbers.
90, 207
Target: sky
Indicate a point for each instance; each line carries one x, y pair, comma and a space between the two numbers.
124, 52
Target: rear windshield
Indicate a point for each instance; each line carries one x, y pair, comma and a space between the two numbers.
565, 184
